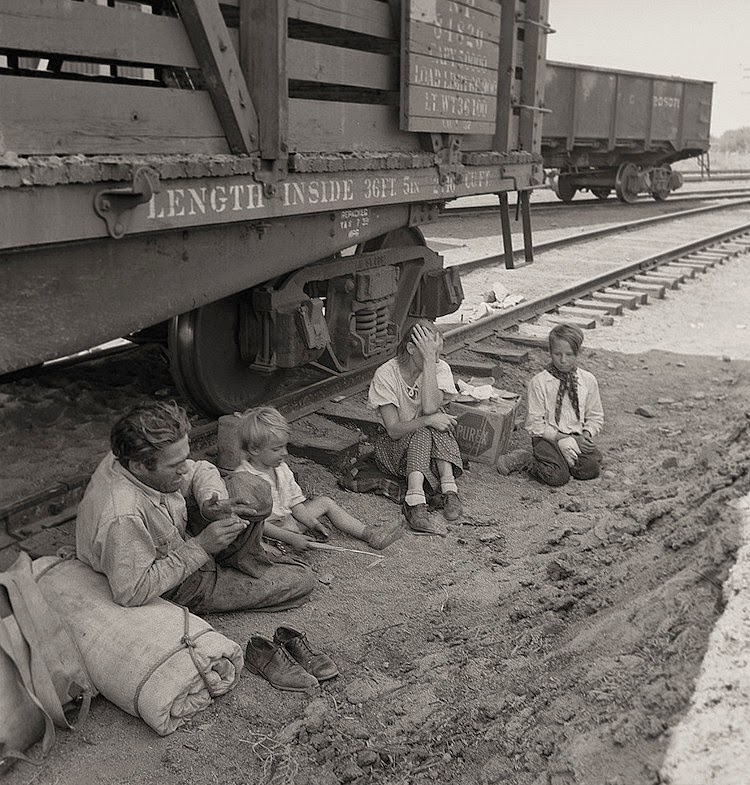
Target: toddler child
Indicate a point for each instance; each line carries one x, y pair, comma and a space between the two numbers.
419, 444
264, 434
564, 415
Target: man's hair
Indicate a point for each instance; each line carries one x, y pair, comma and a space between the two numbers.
401, 352
260, 425
145, 429
567, 332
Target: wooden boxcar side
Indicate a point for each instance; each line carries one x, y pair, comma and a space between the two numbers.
157, 158
621, 129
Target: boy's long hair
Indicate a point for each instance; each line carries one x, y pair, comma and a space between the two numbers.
260, 425
567, 332
146, 429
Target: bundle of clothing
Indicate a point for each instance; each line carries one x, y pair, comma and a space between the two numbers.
156, 661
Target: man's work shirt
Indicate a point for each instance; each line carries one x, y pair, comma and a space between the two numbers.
542, 399
135, 534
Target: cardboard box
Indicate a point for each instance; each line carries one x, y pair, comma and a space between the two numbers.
484, 429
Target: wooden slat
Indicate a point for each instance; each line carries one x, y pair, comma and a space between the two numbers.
336, 65
263, 54
532, 93
358, 16
329, 126
505, 138
85, 30
222, 73
58, 117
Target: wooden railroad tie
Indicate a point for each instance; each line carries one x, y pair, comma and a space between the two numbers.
654, 289
572, 314
504, 355
610, 309
683, 270
711, 256
475, 368
690, 264
629, 300
582, 322
671, 282
641, 297
526, 340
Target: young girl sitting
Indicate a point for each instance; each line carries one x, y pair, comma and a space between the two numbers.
264, 434
419, 444
564, 415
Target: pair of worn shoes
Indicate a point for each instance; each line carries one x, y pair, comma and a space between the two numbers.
419, 519
288, 662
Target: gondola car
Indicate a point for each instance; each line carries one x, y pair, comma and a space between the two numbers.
246, 179
609, 130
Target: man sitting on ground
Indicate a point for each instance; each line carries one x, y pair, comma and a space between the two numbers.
132, 525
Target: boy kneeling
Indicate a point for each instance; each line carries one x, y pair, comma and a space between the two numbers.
564, 415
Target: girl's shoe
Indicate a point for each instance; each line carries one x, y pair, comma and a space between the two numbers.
452, 507
379, 537
419, 520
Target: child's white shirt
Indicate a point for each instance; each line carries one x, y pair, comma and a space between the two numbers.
541, 409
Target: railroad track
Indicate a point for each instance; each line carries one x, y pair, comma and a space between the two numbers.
457, 211
480, 344
114, 348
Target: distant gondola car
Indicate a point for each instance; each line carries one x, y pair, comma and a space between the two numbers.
608, 130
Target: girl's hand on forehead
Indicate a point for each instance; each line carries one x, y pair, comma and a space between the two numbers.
427, 342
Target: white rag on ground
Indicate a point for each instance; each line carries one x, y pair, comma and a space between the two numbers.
157, 661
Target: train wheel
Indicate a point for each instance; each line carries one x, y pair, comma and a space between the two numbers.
660, 183
564, 188
627, 183
207, 366
601, 192
205, 357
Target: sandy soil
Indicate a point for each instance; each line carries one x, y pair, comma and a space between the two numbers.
552, 638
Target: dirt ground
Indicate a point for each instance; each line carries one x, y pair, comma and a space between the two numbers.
552, 638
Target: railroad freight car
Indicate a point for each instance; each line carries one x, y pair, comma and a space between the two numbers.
608, 130
246, 179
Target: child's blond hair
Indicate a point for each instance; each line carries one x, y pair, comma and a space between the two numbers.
260, 425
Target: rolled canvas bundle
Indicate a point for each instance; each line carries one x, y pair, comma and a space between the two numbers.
157, 661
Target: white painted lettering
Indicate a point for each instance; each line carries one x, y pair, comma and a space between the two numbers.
218, 199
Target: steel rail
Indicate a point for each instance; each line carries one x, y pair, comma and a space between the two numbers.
458, 211
489, 325
97, 353
593, 234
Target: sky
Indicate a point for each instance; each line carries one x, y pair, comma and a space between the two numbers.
695, 39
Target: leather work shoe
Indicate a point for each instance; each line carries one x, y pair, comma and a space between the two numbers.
514, 461
295, 643
382, 536
273, 662
452, 507
419, 520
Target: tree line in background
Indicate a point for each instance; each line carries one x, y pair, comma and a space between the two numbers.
732, 142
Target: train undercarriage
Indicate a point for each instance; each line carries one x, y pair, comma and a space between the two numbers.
256, 313
335, 316
628, 180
